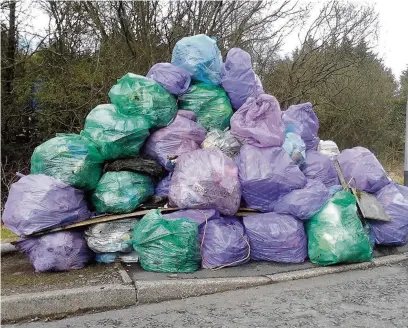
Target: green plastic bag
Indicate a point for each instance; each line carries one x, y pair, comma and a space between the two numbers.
336, 234
139, 95
117, 135
121, 192
71, 158
166, 245
210, 104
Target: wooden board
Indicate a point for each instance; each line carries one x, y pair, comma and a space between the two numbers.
368, 205
136, 214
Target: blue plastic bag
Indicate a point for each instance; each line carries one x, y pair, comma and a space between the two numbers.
200, 56
295, 147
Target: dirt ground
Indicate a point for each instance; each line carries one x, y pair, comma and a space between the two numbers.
18, 276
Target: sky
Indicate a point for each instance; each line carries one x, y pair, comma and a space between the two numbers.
392, 44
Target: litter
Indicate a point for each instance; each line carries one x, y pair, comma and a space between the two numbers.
58, 251
39, 202
175, 80
266, 174
210, 104
172, 141
121, 192
336, 234
238, 78
302, 120
183, 135
362, 169
205, 179
295, 147
224, 141
320, 167
199, 55
71, 158
116, 135
258, 122
166, 245
328, 148
139, 95
109, 237
394, 199
305, 202
276, 237
132, 257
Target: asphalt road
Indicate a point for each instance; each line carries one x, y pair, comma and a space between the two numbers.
371, 298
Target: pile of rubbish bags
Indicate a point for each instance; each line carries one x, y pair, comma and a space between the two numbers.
221, 143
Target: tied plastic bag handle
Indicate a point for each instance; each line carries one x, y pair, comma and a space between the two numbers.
20, 175
224, 265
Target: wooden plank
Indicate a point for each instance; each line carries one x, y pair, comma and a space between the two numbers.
340, 174
371, 208
140, 213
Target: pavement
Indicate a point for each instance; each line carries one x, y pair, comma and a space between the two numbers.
375, 298
99, 287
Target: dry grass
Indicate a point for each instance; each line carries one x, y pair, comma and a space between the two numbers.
7, 234
395, 171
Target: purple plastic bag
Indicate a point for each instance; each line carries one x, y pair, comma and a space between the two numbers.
258, 122
58, 251
223, 240
162, 188
394, 199
266, 174
302, 120
361, 164
320, 167
238, 79
276, 237
224, 243
37, 202
206, 178
181, 136
175, 80
303, 203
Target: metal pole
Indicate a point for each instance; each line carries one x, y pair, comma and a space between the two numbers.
406, 148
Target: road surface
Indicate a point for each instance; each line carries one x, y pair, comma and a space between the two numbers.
371, 298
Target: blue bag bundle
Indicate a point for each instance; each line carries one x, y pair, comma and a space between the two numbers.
295, 147
200, 56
